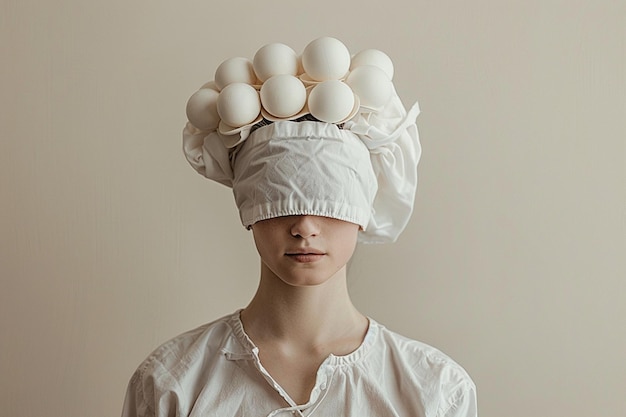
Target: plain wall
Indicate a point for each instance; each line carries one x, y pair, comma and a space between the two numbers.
514, 260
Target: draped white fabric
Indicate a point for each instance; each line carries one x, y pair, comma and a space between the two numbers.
215, 370
365, 173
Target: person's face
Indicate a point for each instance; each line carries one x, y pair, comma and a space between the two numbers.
305, 250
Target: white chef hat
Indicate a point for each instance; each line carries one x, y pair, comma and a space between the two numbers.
361, 168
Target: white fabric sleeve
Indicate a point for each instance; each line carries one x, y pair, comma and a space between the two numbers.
463, 404
145, 396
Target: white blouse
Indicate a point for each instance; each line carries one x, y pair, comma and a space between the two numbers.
215, 370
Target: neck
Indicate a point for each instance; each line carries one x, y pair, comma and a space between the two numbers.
307, 315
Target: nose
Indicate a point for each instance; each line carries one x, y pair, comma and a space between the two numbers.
305, 226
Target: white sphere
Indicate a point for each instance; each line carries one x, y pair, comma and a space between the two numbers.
238, 104
202, 109
326, 59
234, 70
283, 95
373, 57
274, 59
331, 101
371, 85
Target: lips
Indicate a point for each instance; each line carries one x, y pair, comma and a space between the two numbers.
305, 255
305, 251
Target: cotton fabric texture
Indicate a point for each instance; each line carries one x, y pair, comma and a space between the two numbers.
364, 173
215, 370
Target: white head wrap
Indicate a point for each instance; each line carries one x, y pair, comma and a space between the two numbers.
363, 171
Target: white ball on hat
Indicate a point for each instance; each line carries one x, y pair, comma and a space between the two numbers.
373, 57
372, 86
283, 95
326, 58
238, 104
202, 109
234, 70
274, 59
331, 101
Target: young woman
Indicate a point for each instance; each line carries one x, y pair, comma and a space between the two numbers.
310, 182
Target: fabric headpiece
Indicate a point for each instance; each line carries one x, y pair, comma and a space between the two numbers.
345, 148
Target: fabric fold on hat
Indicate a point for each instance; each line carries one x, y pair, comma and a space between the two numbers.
393, 140
206, 153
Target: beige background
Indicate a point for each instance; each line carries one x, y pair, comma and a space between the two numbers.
514, 262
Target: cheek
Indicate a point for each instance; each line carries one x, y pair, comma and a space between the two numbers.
348, 242
269, 242
351, 247
262, 241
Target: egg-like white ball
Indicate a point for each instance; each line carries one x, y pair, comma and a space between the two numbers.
234, 70
274, 59
372, 86
238, 104
373, 57
326, 58
283, 95
331, 101
202, 109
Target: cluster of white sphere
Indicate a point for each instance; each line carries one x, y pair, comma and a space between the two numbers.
277, 84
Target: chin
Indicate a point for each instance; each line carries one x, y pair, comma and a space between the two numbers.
306, 277
305, 281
